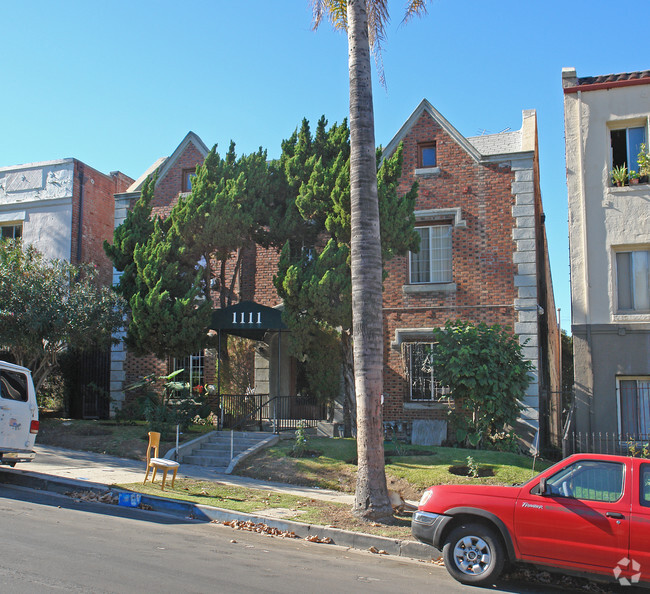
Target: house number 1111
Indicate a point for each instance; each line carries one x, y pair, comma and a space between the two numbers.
243, 317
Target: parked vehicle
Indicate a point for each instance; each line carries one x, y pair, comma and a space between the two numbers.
588, 515
18, 414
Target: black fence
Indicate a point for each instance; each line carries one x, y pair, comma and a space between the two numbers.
630, 444
261, 412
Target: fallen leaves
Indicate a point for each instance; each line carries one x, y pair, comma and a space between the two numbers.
377, 551
93, 496
267, 530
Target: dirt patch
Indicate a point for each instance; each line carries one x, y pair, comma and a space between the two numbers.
465, 471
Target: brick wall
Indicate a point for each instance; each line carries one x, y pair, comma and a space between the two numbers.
482, 287
93, 202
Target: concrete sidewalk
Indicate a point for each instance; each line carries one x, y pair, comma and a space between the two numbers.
63, 471
110, 470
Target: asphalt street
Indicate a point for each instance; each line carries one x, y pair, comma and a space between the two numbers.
52, 543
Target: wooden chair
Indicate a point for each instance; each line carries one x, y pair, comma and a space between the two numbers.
158, 463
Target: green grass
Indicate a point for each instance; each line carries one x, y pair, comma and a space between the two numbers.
431, 465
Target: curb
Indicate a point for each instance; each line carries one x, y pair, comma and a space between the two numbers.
195, 511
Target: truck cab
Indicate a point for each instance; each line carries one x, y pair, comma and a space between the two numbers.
587, 515
18, 414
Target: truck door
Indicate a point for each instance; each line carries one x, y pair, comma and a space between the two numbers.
15, 410
583, 520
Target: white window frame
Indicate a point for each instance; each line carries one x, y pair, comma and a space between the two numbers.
636, 280
645, 379
440, 249
195, 369
629, 154
11, 224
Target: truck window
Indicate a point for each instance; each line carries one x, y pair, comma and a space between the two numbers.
645, 484
592, 480
13, 385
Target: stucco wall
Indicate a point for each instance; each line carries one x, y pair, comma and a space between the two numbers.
39, 195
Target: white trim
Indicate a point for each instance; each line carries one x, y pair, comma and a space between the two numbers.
454, 213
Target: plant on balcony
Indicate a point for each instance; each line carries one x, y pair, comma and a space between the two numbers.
643, 160
619, 175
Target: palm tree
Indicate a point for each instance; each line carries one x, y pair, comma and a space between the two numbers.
364, 21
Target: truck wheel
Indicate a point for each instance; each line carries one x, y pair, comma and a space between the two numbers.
473, 554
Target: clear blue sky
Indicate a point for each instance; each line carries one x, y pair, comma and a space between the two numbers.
119, 83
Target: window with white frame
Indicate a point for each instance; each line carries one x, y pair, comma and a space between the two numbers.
626, 143
634, 406
193, 369
11, 231
633, 280
422, 382
432, 264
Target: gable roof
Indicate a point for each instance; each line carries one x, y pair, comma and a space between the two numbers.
425, 106
164, 164
480, 148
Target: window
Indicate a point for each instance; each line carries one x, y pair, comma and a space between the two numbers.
13, 385
423, 385
592, 480
432, 264
645, 484
12, 231
188, 176
193, 369
625, 146
427, 155
633, 280
634, 407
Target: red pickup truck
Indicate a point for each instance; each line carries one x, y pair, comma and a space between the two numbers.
588, 515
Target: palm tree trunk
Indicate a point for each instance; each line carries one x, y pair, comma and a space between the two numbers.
371, 498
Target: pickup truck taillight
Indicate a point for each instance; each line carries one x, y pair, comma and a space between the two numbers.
33, 427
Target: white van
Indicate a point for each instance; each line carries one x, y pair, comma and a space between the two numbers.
18, 414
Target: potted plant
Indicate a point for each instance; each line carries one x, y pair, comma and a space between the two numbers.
619, 175
643, 160
634, 177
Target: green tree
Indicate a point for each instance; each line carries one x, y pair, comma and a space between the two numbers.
50, 306
364, 21
173, 267
314, 280
487, 375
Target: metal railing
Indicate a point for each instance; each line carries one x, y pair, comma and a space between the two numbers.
578, 442
260, 411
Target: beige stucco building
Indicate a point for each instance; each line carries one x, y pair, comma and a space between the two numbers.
606, 121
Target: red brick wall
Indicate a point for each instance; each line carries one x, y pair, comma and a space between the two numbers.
483, 268
94, 202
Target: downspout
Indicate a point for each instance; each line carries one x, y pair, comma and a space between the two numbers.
585, 257
81, 214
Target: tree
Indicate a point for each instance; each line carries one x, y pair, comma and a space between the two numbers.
364, 21
172, 267
484, 368
50, 306
314, 280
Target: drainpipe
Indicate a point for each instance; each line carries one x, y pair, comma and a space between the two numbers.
81, 214
585, 258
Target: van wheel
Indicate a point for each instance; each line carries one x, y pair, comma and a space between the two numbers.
473, 554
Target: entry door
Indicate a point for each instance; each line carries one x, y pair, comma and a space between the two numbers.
584, 520
15, 413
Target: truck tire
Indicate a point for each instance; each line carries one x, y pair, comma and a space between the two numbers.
473, 554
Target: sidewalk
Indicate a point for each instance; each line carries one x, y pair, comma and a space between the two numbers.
60, 470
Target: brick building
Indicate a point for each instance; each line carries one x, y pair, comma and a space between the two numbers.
65, 209
483, 258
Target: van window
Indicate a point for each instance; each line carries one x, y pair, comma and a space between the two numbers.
13, 385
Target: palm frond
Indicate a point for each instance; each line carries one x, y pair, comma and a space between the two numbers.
335, 10
414, 8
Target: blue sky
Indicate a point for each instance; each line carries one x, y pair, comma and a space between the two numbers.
119, 83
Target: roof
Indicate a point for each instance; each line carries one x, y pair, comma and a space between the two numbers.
478, 147
164, 164
573, 84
